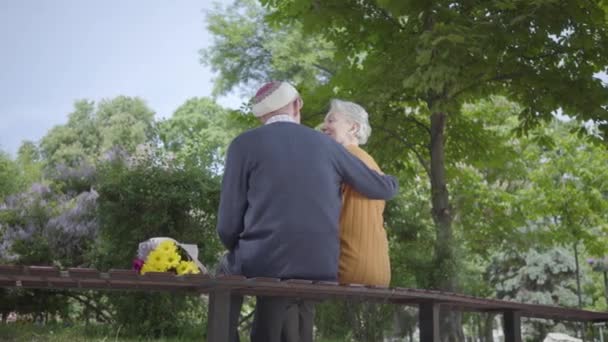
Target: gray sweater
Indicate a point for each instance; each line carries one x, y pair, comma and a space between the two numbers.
280, 201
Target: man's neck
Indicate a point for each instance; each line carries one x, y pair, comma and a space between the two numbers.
280, 118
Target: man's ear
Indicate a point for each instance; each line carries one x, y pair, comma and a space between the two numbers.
355, 127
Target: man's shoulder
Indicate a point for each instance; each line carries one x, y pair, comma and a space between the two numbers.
278, 127
280, 130
246, 136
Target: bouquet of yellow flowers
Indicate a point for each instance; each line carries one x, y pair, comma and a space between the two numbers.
167, 255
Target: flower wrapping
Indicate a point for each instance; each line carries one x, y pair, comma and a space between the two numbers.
162, 254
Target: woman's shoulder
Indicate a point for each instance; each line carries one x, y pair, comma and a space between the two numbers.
364, 156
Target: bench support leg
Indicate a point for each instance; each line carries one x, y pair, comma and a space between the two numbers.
512, 326
218, 318
428, 321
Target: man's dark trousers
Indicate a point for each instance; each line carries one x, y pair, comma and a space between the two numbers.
280, 319
277, 319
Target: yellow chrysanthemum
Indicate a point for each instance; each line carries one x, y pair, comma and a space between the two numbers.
171, 259
187, 267
156, 261
163, 258
145, 269
167, 246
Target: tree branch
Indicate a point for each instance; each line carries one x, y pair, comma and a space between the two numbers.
88, 304
410, 146
500, 77
244, 319
322, 68
544, 55
390, 17
419, 124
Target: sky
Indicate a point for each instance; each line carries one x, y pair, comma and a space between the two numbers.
55, 52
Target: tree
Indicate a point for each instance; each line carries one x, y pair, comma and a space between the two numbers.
246, 52
91, 130
124, 121
567, 189
30, 165
44, 227
199, 132
439, 54
540, 276
8, 175
74, 142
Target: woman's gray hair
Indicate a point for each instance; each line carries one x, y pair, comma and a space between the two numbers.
355, 113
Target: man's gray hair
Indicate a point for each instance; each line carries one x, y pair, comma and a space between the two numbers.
355, 113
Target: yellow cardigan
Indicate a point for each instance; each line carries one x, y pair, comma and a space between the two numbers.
363, 243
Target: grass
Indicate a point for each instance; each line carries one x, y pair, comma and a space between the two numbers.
58, 333
29, 332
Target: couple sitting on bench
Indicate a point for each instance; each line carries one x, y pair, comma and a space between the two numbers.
301, 204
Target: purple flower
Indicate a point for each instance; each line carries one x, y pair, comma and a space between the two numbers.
138, 264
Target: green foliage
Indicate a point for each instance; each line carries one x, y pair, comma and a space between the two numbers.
91, 130
157, 315
248, 52
568, 189
150, 195
9, 173
352, 320
545, 276
411, 236
199, 132
124, 121
73, 142
19, 174
30, 165
543, 53
62, 331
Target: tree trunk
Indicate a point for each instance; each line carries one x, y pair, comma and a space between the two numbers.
488, 327
578, 291
444, 277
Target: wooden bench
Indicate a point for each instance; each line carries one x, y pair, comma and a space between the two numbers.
219, 290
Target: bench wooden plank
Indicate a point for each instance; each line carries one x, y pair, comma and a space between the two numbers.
299, 281
11, 269
127, 275
52, 278
8, 283
83, 273
42, 271
264, 280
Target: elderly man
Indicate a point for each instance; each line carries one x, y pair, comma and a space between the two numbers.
280, 202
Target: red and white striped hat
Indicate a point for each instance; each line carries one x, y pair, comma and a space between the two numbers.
272, 96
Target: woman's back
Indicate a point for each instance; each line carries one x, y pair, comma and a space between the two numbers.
363, 243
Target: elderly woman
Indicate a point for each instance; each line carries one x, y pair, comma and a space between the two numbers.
363, 243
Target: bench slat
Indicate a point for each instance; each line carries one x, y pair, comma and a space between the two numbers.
262, 280
115, 274
43, 271
48, 277
83, 273
11, 269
